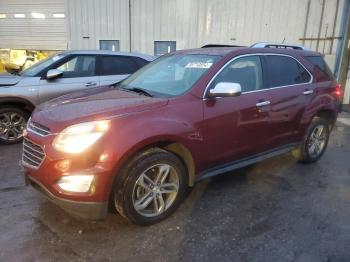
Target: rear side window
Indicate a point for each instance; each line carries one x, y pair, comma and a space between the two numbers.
140, 62
322, 71
284, 71
117, 65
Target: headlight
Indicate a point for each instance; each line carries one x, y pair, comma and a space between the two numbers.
76, 183
77, 138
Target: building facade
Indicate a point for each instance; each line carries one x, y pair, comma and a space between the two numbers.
160, 26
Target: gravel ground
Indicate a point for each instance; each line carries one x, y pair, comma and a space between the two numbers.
277, 210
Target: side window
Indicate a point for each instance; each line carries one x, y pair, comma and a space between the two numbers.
140, 62
117, 65
245, 70
78, 66
284, 71
322, 70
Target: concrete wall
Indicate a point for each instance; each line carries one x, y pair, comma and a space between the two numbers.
94, 20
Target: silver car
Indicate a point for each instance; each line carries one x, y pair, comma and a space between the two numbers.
60, 74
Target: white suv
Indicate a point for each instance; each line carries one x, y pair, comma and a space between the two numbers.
60, 74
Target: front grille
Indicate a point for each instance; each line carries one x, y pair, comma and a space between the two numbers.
38, 129
33, 155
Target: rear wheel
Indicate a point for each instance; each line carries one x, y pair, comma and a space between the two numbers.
12, 123
315, 142
150, 187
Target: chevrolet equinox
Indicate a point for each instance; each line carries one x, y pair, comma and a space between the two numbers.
138, 145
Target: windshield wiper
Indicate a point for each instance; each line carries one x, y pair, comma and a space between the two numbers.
134, 89
140, 91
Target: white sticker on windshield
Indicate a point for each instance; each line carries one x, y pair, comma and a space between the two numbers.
198, 65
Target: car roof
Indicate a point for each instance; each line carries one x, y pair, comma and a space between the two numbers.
223, 51
106, 52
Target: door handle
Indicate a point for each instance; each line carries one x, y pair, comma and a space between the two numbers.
308, 92
90, 84
264, 103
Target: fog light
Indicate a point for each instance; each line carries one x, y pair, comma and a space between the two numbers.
63, 165
76, 183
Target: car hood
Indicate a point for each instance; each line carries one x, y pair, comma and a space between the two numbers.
9, 80
93, 104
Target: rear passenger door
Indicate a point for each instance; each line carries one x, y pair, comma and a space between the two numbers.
114, 68
289, 90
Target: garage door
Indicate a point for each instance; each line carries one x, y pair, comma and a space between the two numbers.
34, 24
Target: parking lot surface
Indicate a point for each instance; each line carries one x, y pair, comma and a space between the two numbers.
276, 210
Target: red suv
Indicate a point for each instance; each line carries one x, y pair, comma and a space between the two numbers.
138, 145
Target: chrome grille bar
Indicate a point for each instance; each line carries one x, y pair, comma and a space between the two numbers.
32, 154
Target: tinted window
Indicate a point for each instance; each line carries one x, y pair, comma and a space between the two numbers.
284, 70
321, 67
245, 70
117, 65
78, 66
140, 62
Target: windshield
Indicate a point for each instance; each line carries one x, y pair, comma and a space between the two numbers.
36, 68
170, 75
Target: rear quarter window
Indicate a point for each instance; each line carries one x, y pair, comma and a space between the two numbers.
117, 65
321, 69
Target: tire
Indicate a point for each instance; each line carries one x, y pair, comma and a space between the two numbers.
12, 123
305, 150
133, 185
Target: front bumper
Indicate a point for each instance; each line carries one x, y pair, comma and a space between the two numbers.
85, 210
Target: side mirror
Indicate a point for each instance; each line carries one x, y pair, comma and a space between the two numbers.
53, 73
225, 89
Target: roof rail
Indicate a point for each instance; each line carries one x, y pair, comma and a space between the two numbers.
219, 45
278, 45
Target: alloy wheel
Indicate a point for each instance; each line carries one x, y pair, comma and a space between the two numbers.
12, 125
317, 141
155, 190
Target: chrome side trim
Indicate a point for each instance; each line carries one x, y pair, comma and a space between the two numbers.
265, 103
257, 54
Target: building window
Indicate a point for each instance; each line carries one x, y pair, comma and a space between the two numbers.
111, 45
164, 47
19, 15
58, 15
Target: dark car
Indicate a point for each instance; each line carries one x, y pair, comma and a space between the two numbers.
184, 117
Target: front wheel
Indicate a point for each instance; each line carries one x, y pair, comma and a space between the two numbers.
12, 123
151, 187
315, 142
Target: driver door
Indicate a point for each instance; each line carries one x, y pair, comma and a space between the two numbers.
79, 72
